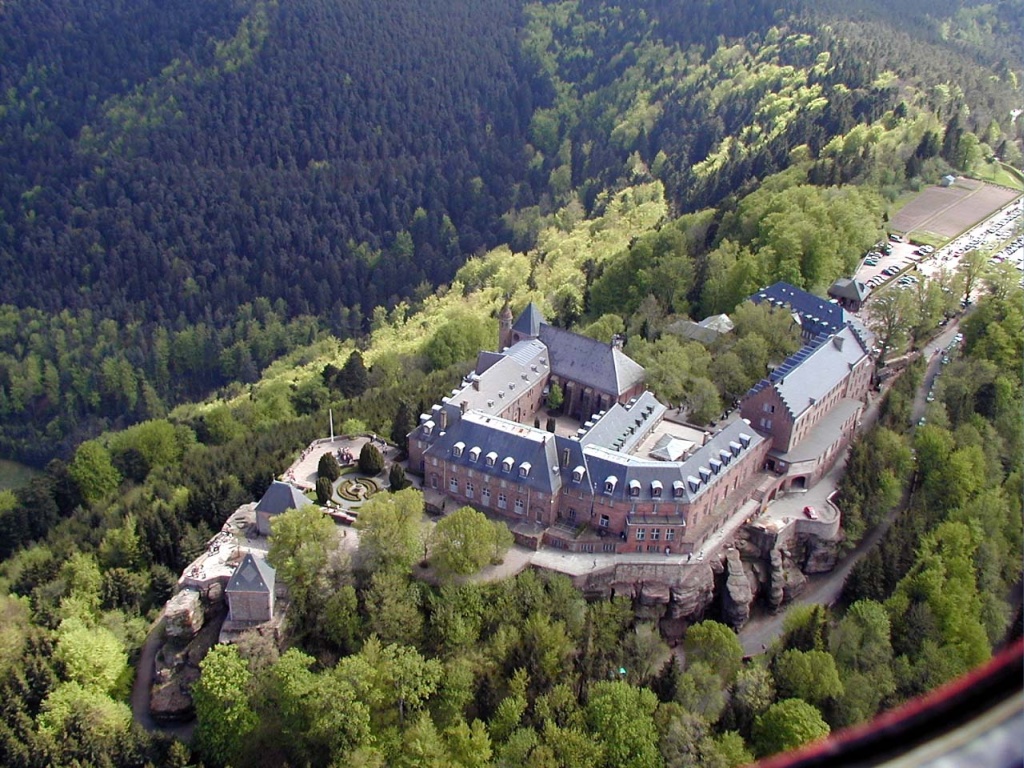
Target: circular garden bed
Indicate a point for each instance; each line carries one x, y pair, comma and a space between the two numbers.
356, 490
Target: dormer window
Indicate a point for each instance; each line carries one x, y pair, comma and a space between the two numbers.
610, 483
693, 482
577, 474
507, 463
490, 459
656, 489
428, 427
735, 448
457, 449
705, 473
474, 453
634, 488
716, 466
726, 456
677, 488
744, 439
524, 469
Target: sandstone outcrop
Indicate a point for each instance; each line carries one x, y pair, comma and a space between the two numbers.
738, 593
184, 615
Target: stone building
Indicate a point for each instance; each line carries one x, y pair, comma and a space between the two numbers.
250, 591
628, 479
279, 498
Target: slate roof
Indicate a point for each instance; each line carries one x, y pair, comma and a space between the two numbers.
824, 433
529, 321
694, 331
488, 390
814, 370
847, 288
280, 497
253, 574
694, 476
815, 315
589, 361
623, 426
525, 445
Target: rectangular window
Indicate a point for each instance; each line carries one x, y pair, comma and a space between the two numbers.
572, 513
469, 490
641, 534
520, 507
607, 547
453, 485
605, 521
502, 501
485, 496
670, 534
587, 548
655, 534
653, 547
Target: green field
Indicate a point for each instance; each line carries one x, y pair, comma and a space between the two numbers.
998, 173
14, 475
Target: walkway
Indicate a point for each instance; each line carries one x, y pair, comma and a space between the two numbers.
763, 628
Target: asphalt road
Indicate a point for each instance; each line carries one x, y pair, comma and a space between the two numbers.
763, 627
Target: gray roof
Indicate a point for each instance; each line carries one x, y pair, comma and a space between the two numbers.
623, 426
807, 376
589, 361
824, 433
529, 321
253, 574
280, 497
694, 331
847, 288
815, 315
694, 476
468, 443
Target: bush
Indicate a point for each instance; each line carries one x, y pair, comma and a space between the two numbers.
324, 490
328, 467
371, 461
397, 479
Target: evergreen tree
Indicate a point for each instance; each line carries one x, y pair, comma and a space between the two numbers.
328, 467
371, 461
324, 490
397, 479
353, 378
402, 424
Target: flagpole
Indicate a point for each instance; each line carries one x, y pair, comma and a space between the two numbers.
330, 412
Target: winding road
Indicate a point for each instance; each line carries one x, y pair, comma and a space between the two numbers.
763, 627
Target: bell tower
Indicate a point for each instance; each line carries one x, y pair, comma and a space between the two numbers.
505, 326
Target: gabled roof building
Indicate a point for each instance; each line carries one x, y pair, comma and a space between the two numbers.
250, 591
628, 480
278, 498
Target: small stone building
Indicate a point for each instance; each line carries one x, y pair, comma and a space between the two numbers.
250, 591
279, 498
849, 293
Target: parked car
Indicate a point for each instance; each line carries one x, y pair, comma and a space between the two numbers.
895, 238
810, 512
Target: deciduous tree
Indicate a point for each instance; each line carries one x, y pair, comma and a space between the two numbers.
391, 530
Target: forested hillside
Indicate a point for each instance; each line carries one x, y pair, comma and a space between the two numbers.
190, 190
218, 220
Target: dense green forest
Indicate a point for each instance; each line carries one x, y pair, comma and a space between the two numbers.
290, 207
171, 172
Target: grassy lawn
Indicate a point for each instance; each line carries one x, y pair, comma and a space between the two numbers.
998, 173
928, 238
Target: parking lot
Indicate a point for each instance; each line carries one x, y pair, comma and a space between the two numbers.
1003, 230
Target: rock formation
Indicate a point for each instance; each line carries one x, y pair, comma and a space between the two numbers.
738, 594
